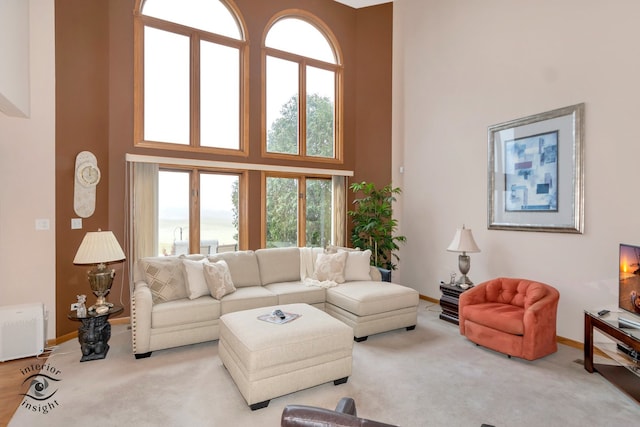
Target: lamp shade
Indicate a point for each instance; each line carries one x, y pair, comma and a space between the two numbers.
463, 241
99, 247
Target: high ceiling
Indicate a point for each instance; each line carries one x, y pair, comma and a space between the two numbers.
362, 3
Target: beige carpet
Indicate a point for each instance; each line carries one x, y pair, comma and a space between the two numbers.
427, 377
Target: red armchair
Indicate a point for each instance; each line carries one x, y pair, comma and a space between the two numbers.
516, 317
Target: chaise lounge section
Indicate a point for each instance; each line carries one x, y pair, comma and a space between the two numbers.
172, 305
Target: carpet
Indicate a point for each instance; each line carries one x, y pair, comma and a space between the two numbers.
430, 376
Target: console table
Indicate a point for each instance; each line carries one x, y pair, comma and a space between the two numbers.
94, 332
449, 302
624, 350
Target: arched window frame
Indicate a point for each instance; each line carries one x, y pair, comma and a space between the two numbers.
195, 35
302, 62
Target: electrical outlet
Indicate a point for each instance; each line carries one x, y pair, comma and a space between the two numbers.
74, 306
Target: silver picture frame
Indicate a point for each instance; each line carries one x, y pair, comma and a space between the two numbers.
535, 179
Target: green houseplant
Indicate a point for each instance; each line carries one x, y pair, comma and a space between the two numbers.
373, 223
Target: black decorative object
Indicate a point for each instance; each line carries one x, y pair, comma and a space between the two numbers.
94, 333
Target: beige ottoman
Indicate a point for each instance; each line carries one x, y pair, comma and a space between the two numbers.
268, 360
373, 307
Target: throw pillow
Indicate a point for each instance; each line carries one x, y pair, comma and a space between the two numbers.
330, 267
357, 266
196, 283
165, 279
218, 278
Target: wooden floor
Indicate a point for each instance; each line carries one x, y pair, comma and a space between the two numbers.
11, 387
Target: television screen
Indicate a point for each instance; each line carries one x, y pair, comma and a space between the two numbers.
629, 278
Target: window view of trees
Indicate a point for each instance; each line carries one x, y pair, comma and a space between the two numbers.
282, 211
303, 80
282, 137
318, 212
282, 201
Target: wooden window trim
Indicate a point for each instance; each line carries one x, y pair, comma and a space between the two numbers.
302, 62
302, 203
194, 201
140, 22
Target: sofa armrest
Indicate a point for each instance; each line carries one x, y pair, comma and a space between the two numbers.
385, 273
540, 323
310, 416
141, 307
347, 405
474, 295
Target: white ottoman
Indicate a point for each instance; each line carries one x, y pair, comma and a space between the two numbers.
373, 307
268, 360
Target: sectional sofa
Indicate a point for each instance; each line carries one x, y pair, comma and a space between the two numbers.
178, 300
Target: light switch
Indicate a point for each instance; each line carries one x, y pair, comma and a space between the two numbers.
42, 224
76, 223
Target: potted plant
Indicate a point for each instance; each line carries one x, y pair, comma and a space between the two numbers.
374, 225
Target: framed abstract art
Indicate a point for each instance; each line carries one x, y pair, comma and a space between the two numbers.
535, 178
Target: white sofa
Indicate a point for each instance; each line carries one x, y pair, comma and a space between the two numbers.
166, 311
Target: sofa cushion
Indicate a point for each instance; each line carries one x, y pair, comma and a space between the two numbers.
218, 279
502, 317
357, 265
278, 265
165, 278
297, 292
185, 311
246, 298
195, 282
243, 266
330, 267
366, 298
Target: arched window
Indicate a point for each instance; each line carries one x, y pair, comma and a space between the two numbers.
303, 89
191, 62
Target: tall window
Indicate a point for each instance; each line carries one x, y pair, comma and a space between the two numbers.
192, 95
190, 90
197, 212
302, 91
297, 211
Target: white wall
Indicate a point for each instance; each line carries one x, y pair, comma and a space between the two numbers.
27, 179
463, 65
14, 57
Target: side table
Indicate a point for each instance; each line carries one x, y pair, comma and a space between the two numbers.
94, 332
449, 302
625, 374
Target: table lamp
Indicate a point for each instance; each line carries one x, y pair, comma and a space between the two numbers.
463, 242
99, 247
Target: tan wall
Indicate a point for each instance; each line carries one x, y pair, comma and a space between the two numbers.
94, 62
373, 94
461, 66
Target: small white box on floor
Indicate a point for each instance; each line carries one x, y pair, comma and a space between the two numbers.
21, 331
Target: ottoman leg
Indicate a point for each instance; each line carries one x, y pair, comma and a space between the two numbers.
340, 381
360, 339
259, 405
411, 328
